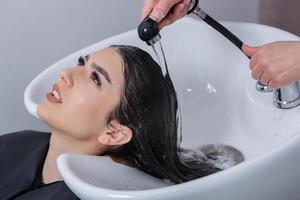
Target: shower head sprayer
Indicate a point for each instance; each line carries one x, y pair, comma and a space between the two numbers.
148, 29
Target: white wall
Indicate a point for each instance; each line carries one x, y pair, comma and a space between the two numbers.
37, 33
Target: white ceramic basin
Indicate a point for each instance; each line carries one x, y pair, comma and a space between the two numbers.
219, 104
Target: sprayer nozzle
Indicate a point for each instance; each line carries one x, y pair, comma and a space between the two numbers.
148, 31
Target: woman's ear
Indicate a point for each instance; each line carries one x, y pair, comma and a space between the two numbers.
115, 134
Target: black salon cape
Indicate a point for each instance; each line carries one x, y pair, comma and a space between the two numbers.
22, 155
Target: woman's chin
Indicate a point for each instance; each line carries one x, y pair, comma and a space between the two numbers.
44, 113
49, 115
46, 117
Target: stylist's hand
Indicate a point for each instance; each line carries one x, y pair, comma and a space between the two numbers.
276, 64
165, 11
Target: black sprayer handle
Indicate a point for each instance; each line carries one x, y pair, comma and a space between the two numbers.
225, 32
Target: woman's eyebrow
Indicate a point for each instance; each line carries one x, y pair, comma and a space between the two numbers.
98, 68
102, 71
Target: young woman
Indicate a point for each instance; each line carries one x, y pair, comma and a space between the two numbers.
115, 102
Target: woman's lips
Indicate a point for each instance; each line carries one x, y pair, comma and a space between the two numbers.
54, 96
52, 99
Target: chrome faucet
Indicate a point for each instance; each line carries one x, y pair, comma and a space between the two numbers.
287, 96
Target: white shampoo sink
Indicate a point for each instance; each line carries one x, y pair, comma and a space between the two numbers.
219, 104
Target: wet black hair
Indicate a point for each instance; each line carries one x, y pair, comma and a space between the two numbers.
149, 107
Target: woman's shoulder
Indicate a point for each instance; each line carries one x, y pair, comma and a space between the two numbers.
25, 135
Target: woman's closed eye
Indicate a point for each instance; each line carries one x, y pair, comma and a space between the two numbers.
94, 75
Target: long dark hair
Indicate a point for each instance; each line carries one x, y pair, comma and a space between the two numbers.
149, 107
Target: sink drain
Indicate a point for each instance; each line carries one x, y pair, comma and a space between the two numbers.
218, 155
222, 156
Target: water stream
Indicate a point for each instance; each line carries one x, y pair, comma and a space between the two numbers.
162, 61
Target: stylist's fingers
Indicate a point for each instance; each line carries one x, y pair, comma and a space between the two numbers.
147, 8
265, 79
257, 73
177, 12
162, 8
249, 51
276, 83
257, 70
253, 62
273, 84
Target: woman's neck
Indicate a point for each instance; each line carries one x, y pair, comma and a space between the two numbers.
61, 143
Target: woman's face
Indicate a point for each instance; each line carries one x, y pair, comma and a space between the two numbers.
85, 95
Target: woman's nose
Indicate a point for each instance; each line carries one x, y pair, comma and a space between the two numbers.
66, 77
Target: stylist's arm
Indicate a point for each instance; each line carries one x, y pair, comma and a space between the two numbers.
165, 11
275, 64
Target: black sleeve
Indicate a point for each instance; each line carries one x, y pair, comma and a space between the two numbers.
53, 191
21, 155
14, 146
